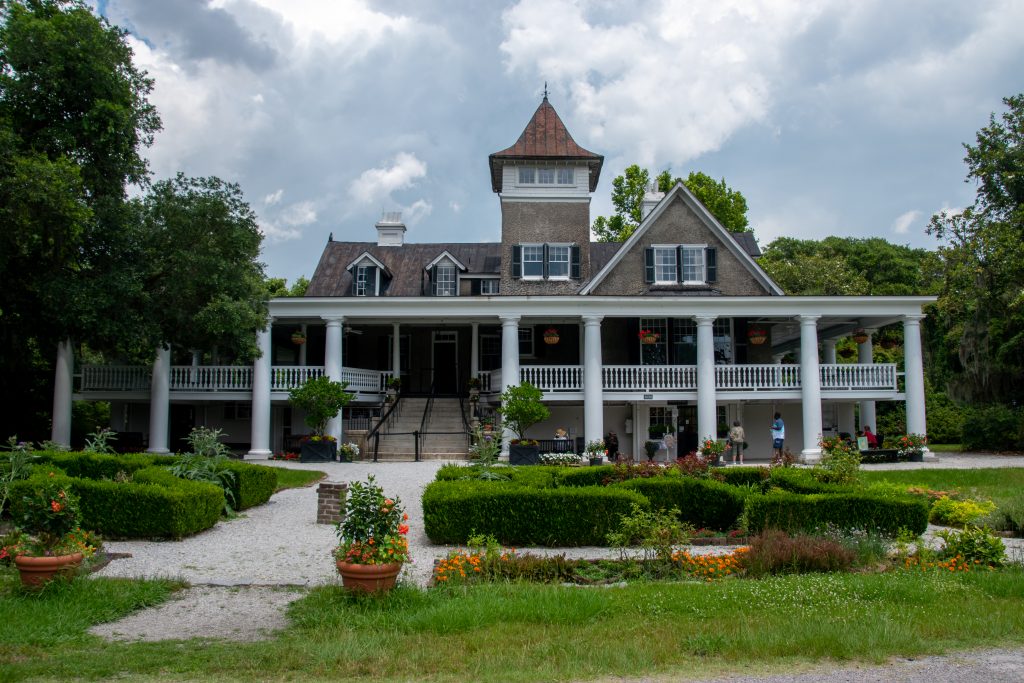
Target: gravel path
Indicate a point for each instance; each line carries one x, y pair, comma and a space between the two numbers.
239, 566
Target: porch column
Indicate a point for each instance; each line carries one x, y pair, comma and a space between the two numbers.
474, 350
259, 442
63, 373
396, 349
707, 415
302, 347
914, 375
593, 387
160, 401
865, 356
828, 351
332, 367
810, 388
509, 364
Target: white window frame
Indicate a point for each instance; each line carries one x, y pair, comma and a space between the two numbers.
533, 176
526, 341
535, 250
490, 286
567, 248
526, 175
667, 272
566, 175
546, 175
362, 281
446, 279
699, 263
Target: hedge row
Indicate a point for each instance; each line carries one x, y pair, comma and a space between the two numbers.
520, 515
254, 484
743, 476
848, 510
704, 503
154, 504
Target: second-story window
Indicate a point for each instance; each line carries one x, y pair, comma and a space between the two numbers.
546, 261
362, 280
665, 264
445, 279
527, 175
489, 286
693, 264
546, 175
558, 261
533, 260
688, 264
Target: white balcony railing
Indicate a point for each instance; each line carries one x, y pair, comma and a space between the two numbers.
211, 378
217, 378
286, 378
775, 377
852, 376
115, 378
553, 378
649, 377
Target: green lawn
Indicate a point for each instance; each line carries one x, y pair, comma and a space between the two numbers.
991, 483
293, 479
524, 632
945, 447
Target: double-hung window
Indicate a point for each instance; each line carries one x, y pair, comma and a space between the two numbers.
693, 264
363, 280
533, 261
665, 265
558, 261
445, 279
687, 264
489, 286
546, 261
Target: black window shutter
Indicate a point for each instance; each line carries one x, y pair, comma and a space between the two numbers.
474, 287
545, 259
649, 263
355, 277
371, 281
574, 256
711, 263
680, 260
517, 261
433, 281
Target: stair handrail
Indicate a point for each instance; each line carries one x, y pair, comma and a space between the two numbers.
375, 432
423, 421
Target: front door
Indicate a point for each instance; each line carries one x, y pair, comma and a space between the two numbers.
182, 420
445, 372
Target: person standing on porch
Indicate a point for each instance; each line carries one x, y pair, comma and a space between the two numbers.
736, 439
778, 436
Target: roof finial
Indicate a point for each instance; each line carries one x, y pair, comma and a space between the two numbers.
545, 91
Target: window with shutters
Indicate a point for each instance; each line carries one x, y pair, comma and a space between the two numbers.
533, 261
688, 264
558, 261
546, 261
364, 285
693, 264
665, 265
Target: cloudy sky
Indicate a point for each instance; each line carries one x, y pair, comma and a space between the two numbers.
842, 118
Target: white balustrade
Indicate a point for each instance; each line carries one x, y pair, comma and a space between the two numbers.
211, 378
115, 378
496, 385
649, 377
553, 377
485, 381
768, 377
288, 377
858, 376
363, 381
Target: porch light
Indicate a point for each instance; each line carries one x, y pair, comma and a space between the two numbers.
757, 335
298, 338
859, 335
551, 336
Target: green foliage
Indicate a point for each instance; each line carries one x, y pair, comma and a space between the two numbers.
973, 544
321, 399
848, 510
657, 533
994, 427
48, 511
702, 503
206, 442
521, 408
212, 470
585, 476
100, 466
742, 476
373, 528
100, 441
776, 552
518, 515
727, 205
251, 485
840, 462
948, 512
15, 465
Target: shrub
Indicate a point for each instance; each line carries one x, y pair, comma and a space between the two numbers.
994, 427
657, 533
973, 545
585, 476
212, 470
101, 466
776, 552
522, 407
253, 484
846, 510
743, 476
535, 476
797, 481
840, 462
519, 515
949, 512
701, 502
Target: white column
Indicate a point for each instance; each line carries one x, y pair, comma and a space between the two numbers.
302, 347
160, 401
509, 364
332, 367
707, 416
810, 388
865, 356
828, 351
396, 349
259, 442
63, 373
474, 350
914, 375
593, 386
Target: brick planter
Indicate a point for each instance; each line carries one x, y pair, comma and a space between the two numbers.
330, 502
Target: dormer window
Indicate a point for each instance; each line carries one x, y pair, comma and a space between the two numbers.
364, 276
546, 261
443, 275
369, 276
687, 264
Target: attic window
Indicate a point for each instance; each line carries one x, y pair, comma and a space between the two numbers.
687, 264
445, 280
546, 261
546, 175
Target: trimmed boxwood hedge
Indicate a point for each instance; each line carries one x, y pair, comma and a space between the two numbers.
585, 476
742, 476
704, 503
520, 515
254, 484
848, 510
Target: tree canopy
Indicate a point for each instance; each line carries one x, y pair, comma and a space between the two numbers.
728, 206
981, 308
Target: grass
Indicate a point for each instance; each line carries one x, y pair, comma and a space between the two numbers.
521, 632
988, 483
945, 447
293, 479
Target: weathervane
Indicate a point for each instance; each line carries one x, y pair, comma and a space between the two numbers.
545, 90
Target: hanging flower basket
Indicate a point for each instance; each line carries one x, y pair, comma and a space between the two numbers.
847, 352
551, 336
860, 336
298, 338
757, 335
649, 337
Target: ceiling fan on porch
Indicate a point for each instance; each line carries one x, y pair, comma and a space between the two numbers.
347, 329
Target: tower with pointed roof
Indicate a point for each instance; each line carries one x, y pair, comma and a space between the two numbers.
544, 182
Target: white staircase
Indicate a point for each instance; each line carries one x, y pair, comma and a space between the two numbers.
444, 434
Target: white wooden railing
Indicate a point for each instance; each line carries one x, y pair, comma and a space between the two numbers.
649, 377
363, 381
553, 378
774, 377
211, 378
288, 377
115, 378
216, 378
853, 376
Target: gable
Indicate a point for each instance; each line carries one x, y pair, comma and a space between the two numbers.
676, 222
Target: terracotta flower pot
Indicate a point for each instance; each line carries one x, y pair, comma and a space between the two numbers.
368, 578
36, 571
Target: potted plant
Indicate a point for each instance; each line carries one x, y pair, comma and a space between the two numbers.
474, 389
757, 335
50, 540
321, 399
860, 335
911, 447
551, 336
596, 451
711, 450
372, 539
649, 336
348, 452
392, 386
651, 448
521, 408
298, 337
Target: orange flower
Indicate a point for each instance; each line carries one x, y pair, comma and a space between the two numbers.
55, 506
403, 528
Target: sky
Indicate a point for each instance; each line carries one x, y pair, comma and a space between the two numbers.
832, 118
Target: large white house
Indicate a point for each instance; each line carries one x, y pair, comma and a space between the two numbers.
678, 325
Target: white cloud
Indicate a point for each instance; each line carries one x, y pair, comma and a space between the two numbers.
377, 183
901, 226
664, 84
301, 213
277, 233
273, 198
416, 212
455, 206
